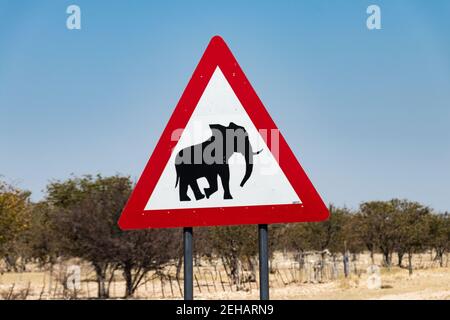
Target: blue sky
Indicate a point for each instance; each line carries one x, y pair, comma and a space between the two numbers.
366, 112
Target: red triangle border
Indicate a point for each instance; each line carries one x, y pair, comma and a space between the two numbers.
134, 215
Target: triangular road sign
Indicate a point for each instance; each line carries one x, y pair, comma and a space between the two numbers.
221, 160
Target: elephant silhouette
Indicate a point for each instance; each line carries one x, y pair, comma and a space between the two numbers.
209, 160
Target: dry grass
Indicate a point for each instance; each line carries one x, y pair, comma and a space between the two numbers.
211, 282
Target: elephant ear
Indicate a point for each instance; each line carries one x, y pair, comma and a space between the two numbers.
235, 127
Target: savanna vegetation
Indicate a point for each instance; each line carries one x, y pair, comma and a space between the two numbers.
78, 219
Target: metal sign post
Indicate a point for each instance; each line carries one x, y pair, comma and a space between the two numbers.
219, 99
263, 262
188, 272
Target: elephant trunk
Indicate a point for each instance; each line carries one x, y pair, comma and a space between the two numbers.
248, 172
248, 166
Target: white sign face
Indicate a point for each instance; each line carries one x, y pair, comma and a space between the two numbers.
267, 184
212, 166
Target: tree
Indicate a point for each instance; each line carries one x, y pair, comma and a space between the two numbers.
343, 238
292, 237
14, 220
39, 241
88, 209
411, 221
85, 221
377, 229
138, 252
235, 245
439, 235
335, 234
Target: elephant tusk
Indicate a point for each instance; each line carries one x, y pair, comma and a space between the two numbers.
256, 153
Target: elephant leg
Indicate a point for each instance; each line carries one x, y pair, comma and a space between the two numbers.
212, 180
197, 193
225, 178
183, 190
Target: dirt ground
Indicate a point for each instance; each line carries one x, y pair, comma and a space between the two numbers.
429, 281
432, 284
